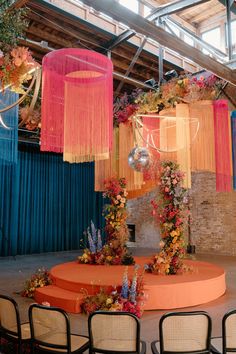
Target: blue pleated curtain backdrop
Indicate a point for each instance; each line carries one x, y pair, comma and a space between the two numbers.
233, 128
46, 204
9, 137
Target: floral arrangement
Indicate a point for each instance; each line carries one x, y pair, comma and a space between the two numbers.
114, 252
15, 67
183, 89
93, 242
170, 210
31, 120
129, 298
39, 279
125, 106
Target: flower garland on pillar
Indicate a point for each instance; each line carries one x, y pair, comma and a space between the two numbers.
170, 210
114, 252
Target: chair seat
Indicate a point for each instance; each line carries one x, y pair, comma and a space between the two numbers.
185, 345
110, 344
77, 342
25, 331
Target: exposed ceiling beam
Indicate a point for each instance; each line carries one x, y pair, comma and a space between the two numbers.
171, 8
116, 75
213, 50
232, 5
123, 37
131, 65
129, 80
147, 28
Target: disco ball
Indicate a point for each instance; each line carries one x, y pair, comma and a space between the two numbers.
139, 159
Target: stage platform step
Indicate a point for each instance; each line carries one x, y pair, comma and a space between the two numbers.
67, 300
203, 282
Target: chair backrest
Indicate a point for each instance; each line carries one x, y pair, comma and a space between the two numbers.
229, 331
185, 332
9, 316
114, 332
50, 327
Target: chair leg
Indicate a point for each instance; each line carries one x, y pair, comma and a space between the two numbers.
32, 348
19, 347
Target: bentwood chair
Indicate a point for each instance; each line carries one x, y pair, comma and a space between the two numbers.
115, 333
50, 332
229, 332
184, 332
10, 326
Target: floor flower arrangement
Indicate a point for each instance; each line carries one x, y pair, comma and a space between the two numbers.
39, 279
130, 297
170, 210
114, 252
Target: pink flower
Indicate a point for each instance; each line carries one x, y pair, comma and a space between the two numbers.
167, 189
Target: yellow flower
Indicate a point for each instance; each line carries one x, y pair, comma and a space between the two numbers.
109, 301
109, 258
173, 233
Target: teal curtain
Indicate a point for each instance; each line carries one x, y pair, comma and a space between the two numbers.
9, 137
46, 204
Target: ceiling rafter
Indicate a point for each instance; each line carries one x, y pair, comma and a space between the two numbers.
145, 27
172, 8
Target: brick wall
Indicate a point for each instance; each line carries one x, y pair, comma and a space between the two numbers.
213, 226
146, 229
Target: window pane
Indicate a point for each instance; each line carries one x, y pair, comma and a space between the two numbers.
173, 28
212, 37
146, 10
131, 5
188, 40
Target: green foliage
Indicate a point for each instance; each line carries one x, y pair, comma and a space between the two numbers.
12, 25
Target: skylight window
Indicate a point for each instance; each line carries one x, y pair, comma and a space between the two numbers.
146, 11
212, 37
132, 5
188, 40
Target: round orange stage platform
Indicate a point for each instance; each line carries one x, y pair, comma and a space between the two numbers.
206, 282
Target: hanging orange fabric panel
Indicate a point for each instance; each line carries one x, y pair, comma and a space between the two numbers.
126, 144
183, 124
105, 169
202, 143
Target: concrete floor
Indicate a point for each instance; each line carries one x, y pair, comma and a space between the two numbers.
14, 272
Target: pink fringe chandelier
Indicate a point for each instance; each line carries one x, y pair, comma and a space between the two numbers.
77, 104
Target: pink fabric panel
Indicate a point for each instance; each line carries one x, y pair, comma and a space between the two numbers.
77, 105
52, 105
222, 146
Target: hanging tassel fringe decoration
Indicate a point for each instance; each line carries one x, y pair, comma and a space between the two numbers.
233, 133
77, 106
222, 146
